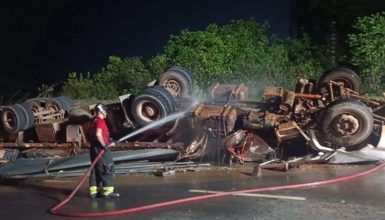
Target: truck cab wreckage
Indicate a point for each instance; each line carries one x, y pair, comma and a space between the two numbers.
313, 123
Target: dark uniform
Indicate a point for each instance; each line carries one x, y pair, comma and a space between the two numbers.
104, 172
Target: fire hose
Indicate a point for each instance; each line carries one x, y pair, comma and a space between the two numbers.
55, 209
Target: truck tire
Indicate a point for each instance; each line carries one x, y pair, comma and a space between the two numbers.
185, 72
36, 103
346, 123
13, 119
29, 117
341, 74
164, 95
148, 108
59, 103
66, 102
176, 83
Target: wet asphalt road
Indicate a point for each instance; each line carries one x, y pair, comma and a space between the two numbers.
359, 199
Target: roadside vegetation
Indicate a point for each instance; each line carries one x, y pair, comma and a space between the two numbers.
240, 52
368, 52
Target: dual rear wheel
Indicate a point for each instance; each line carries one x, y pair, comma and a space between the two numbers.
22, 116
17, 117
157, 102
152, 105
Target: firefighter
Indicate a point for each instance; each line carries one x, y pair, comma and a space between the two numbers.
103, 173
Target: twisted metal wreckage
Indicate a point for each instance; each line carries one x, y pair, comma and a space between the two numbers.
319, 121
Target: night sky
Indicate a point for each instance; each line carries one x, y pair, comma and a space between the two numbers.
43, 40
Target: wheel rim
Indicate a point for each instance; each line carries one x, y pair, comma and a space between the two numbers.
148, 111
173, 87
345, 125
163, 95
9, 119
54, 109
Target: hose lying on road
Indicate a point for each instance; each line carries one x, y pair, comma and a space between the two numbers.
55, 209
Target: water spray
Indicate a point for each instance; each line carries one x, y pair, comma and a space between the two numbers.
155, 124
162, 121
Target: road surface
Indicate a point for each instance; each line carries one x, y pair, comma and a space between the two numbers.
359, 199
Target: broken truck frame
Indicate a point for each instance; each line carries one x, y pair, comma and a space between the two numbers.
319, 117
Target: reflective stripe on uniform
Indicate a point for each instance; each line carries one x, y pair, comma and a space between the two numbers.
93, 190
108, 190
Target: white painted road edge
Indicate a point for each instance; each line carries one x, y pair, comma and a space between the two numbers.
251, 195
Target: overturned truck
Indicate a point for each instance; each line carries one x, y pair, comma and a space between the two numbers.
47, 127
316, 117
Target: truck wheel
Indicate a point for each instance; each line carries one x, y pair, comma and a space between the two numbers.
185, 72
29, 117
66, 102
36, 103
347, 76
176, 83
147, 108
13, 119
346, 123
59, 103
164, 95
